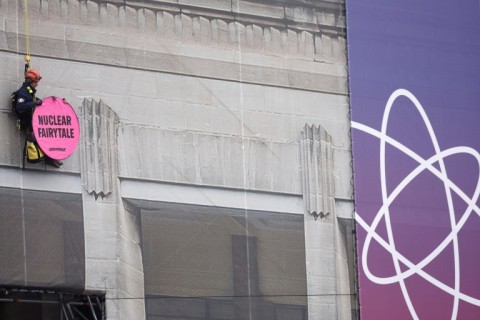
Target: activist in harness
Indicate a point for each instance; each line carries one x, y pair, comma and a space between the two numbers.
24, 103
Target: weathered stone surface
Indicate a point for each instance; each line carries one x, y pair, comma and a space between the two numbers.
258, 9
206, 159
210, 95
99, 148
177, 26
317, 172
10, 139
212, 4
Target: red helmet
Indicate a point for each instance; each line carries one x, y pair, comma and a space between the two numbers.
33, 75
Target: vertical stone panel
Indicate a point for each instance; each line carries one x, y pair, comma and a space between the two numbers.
327, 46
205, 30
150, 22
249, 35
222, 31
330, 19
309, 45
34, 8
341, 52
169, 24
160, 23
141, 20
178, 25
196, 28
267, 40
187, 29
122, 17
241, 33
64, 10
214, 30
317, 172
98, 147
231, 33
284, 41
131, 19
257, 37
292, 42
73, 12
43, 9
83, 12
103, 16
92, 13
324, 48
112, 16
53, 9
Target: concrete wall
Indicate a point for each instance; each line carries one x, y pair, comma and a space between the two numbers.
207, 93
190, 87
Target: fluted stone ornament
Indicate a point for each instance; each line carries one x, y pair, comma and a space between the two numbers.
317, 172
99, 147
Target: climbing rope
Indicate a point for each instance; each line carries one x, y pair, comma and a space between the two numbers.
27, 36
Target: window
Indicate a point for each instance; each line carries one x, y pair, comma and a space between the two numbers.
41, 239
219, 263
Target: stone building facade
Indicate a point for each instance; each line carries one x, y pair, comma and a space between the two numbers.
213, 178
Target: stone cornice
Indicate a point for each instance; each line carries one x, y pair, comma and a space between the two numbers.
180, 38
270, 28
312, 16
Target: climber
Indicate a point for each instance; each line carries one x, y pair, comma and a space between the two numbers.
24, 103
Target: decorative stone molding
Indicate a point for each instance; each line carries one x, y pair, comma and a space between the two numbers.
314, 31
238, 40
99, 147
317, 171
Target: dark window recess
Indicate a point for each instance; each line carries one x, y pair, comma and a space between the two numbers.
41, 240
221, 309
210, 263
36, 304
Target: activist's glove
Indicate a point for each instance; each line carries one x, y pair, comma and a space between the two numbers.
38, 102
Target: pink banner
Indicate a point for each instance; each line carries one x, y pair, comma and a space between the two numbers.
56, 128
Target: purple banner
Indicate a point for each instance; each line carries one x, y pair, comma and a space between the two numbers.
414, 71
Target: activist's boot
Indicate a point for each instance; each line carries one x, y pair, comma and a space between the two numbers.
54, 163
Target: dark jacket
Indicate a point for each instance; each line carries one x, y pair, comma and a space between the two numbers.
25, 105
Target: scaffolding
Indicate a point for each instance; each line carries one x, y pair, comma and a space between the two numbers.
70, 306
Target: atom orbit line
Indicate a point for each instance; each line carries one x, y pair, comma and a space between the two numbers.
424, 164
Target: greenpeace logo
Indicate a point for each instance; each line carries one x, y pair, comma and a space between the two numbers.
56, 149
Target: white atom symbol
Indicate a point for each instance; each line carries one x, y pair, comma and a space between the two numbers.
423, 164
